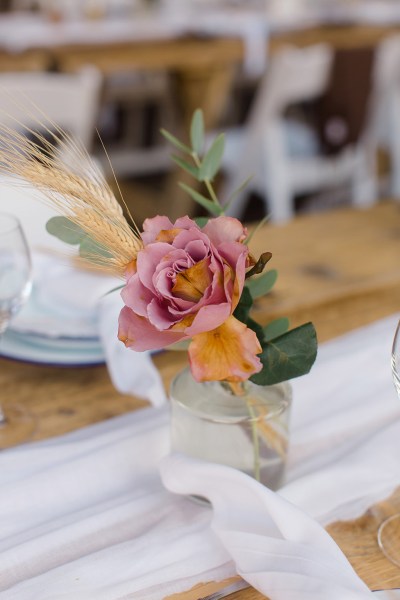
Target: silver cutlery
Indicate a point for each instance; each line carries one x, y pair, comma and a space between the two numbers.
241, 585
227, 590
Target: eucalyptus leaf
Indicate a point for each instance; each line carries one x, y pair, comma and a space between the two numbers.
65, 230
212, 160
183, 164
201, 221
263, 284
89, 249
175, 142
213, 208
276, 328
197, 131
288, 356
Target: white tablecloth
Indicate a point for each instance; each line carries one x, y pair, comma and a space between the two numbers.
85, 516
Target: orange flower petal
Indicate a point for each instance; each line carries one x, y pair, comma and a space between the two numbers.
192, 283
130, 268
168, 235
225, 353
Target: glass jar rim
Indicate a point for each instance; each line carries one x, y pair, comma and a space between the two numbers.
276, 407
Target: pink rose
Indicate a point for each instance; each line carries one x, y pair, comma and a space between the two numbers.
187, 282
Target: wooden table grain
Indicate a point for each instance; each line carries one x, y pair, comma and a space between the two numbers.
340, 269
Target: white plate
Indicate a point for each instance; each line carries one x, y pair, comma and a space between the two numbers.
37, 319
50, 352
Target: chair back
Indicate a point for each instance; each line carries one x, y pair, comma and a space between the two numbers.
69, 101
386, 121
294, 75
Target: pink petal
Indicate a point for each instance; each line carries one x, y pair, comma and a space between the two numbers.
185, 223
139, 334
136, 296
148, 260
159, 316
153, 226
209, 317
224, 229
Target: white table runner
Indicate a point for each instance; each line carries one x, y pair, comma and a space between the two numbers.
85, 516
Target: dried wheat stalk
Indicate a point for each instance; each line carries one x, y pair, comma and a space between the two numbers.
78, 191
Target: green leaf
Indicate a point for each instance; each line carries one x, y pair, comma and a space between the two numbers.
212, 160
242, 310
65, 230
263, 284
213, 208
258, 226
276, 328
119, 287
201, 221
288, 356
183, 164
175, 142
89, 249
258, 330
197, 131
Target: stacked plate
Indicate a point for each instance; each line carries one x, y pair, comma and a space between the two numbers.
60, 323
39, 335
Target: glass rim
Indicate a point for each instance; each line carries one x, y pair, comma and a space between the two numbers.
14, 222
279, 407
200, 414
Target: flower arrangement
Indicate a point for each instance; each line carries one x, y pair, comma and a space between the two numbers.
188, 284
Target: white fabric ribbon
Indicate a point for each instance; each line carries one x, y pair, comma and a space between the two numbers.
276, 547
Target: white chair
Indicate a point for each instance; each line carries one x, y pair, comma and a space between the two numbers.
281, 168
387, 106
71, 101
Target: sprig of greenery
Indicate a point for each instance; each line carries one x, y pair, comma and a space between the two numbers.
202, 166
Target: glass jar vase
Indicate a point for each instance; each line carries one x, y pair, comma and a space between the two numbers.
245, 426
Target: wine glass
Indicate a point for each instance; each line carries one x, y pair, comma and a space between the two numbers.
389, 530
16, 424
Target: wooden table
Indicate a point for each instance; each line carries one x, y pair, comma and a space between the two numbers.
340, 269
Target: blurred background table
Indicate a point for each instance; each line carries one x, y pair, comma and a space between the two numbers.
160, 62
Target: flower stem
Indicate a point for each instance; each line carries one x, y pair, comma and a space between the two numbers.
207, 182
256, 443
238, 389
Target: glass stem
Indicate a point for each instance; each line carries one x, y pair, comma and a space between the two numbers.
2, 417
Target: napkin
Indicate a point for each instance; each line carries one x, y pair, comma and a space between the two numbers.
131, 372
276, 547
